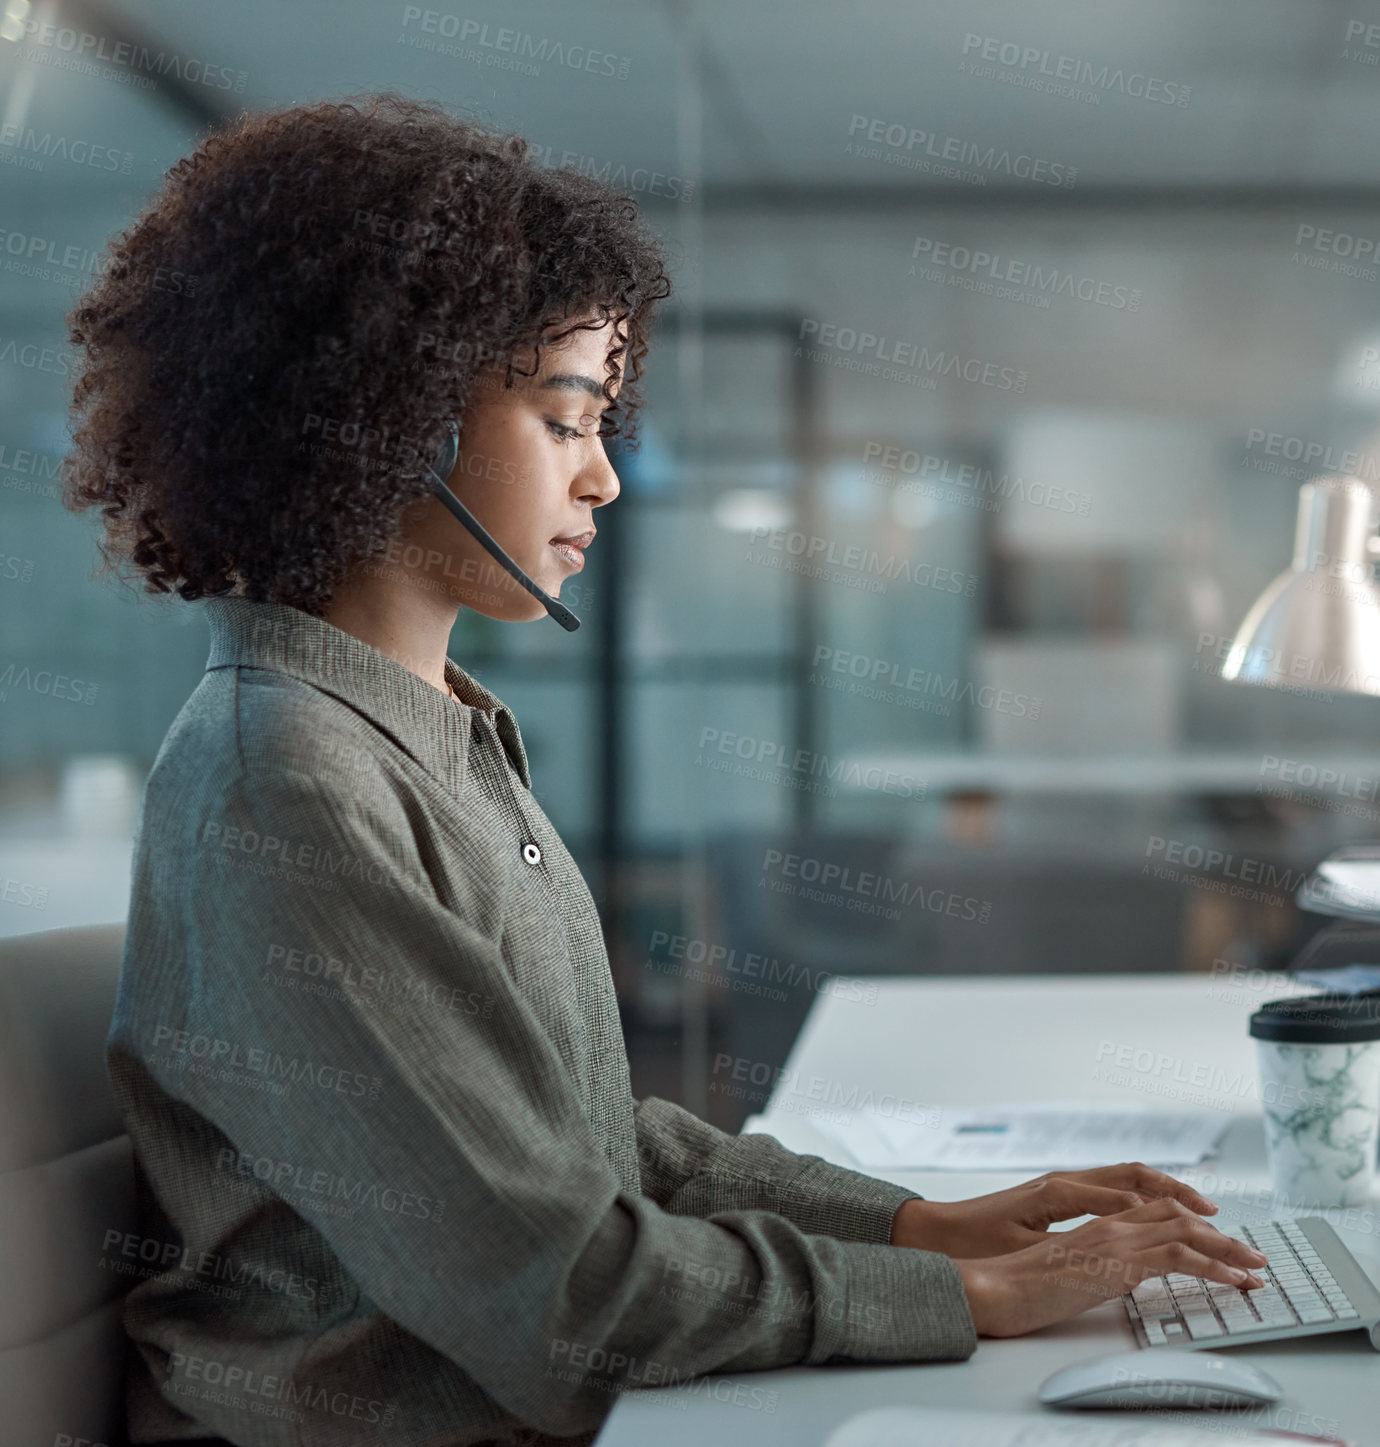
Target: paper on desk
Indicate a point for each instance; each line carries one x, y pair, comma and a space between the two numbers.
1346, 886
1343, 979
930, 1426
1048, 1136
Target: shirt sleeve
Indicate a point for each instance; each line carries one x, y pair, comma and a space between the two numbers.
692, 1168
485, 1217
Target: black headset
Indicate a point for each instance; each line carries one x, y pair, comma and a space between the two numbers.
440, 471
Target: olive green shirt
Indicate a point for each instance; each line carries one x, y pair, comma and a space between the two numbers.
393, 1184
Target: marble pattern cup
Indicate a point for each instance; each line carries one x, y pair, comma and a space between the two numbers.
1319, 1061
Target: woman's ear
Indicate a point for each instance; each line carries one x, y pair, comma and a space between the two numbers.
448, 456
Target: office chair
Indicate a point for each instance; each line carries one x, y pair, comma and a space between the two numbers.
66, 1184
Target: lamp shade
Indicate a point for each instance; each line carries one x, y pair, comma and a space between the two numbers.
1317, 626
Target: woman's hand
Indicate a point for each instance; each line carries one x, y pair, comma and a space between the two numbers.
1068, 1271
1011, 1220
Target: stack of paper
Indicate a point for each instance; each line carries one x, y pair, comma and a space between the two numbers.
1051, 1136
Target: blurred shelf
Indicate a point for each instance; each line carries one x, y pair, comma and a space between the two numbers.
1189, 773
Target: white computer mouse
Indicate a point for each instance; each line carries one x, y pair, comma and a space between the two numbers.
1160, 1378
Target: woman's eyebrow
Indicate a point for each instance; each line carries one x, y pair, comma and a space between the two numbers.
574, 382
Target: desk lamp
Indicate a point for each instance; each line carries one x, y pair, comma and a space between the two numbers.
1318, 624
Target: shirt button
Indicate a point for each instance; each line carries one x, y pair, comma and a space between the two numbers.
531, 853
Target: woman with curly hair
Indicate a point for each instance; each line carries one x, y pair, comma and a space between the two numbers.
366, 1041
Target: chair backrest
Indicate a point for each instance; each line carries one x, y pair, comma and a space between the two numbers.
67, 1205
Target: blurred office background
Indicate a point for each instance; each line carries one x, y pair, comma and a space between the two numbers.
1003, 339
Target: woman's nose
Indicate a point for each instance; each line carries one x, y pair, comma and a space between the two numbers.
599, 481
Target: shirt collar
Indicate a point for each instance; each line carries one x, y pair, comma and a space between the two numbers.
430, 725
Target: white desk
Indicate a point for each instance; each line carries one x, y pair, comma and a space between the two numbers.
949, 1041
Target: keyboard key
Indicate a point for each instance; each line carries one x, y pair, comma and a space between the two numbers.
1311, 1315
1202, 1324
1154, 1333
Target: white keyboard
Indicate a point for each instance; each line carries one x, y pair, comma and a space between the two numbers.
1312, 1284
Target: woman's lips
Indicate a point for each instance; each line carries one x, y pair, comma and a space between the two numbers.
572, 548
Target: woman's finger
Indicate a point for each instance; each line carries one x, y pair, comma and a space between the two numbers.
1178, 1256
1062, 1199
1153, 1184
1160, 1208
1177, 1220
1207, 1241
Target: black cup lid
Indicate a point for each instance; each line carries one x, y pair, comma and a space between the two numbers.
1320, 1019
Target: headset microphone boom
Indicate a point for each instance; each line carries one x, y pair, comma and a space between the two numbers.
440, 471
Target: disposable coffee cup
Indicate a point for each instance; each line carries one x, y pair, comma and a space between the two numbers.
1319, 1060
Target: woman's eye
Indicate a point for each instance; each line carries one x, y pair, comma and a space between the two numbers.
559, 429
